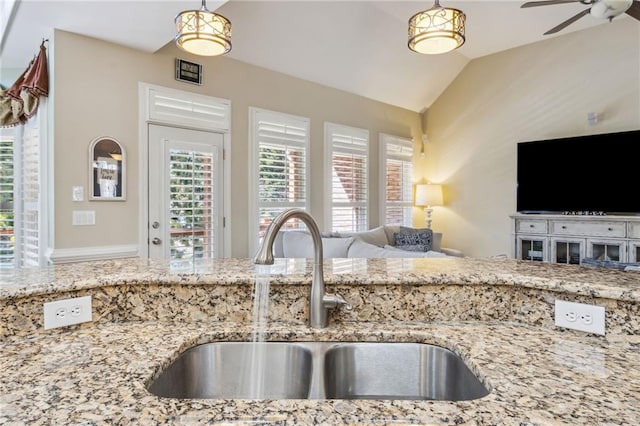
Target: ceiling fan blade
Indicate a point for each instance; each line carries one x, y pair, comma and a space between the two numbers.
547, 3
567, 22
634, 10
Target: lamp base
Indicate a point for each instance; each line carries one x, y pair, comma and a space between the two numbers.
427, 217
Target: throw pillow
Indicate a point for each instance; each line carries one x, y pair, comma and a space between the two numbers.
375, 236
413, 239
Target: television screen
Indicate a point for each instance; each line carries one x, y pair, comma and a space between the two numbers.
596, 173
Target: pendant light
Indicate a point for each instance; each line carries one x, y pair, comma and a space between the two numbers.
203, 32
437, 30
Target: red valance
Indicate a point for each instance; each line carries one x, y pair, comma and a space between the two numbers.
20, 101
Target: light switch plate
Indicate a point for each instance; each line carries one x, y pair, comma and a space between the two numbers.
78, 193
84, 217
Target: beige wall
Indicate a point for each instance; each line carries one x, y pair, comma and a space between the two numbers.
540, 91
96, 94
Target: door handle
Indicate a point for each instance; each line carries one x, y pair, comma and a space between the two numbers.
155, 225
156, 241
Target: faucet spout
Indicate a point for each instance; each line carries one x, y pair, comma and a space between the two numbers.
320, 302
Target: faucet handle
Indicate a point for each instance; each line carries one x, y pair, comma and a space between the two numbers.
331, 301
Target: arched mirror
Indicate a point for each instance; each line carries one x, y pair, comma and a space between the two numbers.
107, 170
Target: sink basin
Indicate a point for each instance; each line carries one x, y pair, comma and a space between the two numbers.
398, 371
318, 370
224, 370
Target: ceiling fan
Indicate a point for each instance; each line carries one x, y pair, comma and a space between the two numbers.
602, 9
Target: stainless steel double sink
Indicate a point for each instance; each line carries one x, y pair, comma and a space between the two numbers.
318, 370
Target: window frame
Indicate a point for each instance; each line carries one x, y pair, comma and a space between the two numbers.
354, 132
285, 119
385, 140
36, 126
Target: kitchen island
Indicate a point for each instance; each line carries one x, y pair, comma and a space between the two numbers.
496, 314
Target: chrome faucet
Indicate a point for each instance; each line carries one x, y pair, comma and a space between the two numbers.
320, 302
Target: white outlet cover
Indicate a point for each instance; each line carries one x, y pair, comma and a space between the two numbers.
580, 316
67, 312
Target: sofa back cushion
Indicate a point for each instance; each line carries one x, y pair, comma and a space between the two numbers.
436, 242
300, 244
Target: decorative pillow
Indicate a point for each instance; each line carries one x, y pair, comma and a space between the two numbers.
300, 244
390, 230
412, 239
375, 236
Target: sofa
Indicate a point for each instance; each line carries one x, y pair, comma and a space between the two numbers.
376, 242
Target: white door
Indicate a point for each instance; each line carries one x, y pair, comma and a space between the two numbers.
185, 193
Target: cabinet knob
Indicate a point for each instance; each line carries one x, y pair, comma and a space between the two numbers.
610, 229
564, 227
532, 226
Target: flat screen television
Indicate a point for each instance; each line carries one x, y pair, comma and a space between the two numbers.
596, 174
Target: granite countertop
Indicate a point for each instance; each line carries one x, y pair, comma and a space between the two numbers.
574, 279
97, 373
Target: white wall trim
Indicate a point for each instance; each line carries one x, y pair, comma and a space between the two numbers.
82, 254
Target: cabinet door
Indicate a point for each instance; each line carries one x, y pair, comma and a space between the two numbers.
634, 251
607, 250
529, 247
567, 250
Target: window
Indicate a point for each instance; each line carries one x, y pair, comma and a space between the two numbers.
7, 187
280, 167
396, 158
347, 152
193, 202
21, 221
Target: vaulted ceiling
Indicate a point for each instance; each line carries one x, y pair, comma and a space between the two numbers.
356, 46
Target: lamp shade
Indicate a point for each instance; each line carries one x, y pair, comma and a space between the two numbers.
428, 194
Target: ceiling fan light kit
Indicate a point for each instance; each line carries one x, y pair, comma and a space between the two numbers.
436, 30
601, 9
203, 32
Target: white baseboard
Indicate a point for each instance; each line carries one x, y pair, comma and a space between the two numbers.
82, 254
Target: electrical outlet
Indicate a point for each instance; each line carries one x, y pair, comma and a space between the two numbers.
578, 316
67, 312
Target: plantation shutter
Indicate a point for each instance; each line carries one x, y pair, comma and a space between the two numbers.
7, 188
282, 153
397, 154
192, 209
201, 112
30, 225
349, 199
20, 196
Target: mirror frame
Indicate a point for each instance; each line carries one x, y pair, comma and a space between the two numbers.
119, 174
